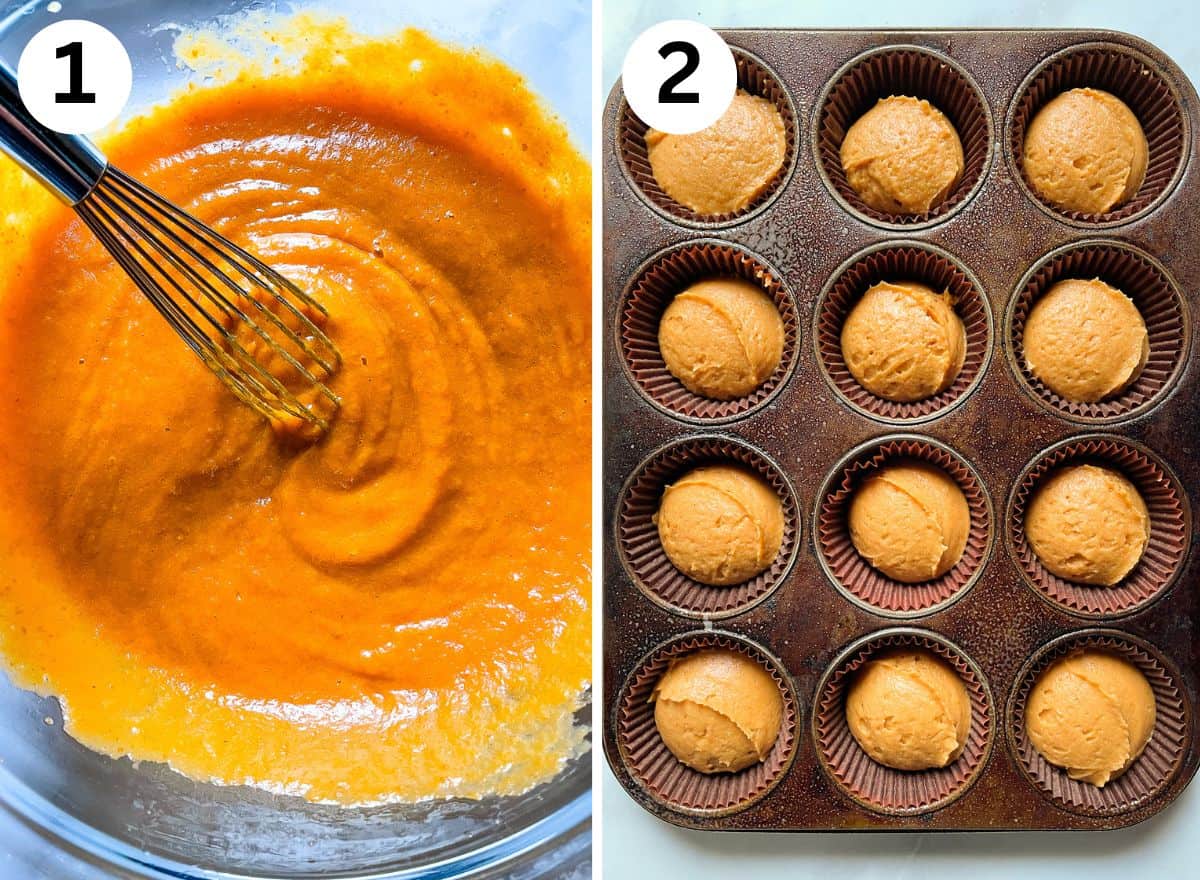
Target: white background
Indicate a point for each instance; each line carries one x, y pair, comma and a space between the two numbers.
636, 845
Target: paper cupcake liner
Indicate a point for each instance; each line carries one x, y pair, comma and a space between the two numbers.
1169, 527
880, 788
672, 782
856, 578
1133, 78
653, 289
641, 549
1142, 279
902, 261
753, 77
914, 72
1150, 773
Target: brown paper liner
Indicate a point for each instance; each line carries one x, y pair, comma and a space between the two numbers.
1133, 78
672, 782
642, 552
880, 788
1169, 527
648, 296
1138, 276
1150, 773
903, 71
902, 261
753, 77
858, 579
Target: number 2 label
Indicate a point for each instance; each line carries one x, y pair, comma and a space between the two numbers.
679, 76
667, 93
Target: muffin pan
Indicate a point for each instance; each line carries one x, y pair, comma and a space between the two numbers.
816, 614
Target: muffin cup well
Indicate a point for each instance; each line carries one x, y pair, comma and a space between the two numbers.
1170, 526
1150, 773
1140, 277
660, 773
1137, 81
856, 578
901, 261
880, 788
642, 552
752, 77
654, 286
910, 71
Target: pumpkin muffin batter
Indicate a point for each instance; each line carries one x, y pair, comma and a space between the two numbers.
1085, 340
718, 711
1088, 524
723, 168
721, 338
1086, 151
909, 710
720, 524
400, 611
903, 156
904, 342
1092, 714
910, 521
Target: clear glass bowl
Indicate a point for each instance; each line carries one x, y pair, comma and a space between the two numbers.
71, 813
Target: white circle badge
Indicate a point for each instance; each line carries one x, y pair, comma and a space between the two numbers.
679, 76
74, 76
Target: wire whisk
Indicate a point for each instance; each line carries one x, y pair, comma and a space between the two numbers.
256, 330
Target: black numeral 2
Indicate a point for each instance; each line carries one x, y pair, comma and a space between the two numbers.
666, 92
75, 94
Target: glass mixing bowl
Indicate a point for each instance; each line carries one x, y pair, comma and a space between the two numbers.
67, 812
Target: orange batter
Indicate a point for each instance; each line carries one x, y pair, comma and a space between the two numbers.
401, 610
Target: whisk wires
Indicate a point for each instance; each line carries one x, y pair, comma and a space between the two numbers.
255, 329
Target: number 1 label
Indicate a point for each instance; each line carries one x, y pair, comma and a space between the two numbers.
75, 94
74, 76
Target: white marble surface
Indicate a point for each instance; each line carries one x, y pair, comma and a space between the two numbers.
636, 845
1172, 26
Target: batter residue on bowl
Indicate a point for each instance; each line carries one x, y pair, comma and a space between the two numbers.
400, 611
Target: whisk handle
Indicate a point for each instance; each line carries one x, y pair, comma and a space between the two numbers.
68, 164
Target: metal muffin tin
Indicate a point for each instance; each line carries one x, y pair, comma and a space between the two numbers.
1003, 622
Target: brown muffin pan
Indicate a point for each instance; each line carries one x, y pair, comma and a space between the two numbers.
819, 612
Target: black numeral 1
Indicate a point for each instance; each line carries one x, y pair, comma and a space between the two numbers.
666, 92
75, 94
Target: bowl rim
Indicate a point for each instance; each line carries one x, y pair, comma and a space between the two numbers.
569, 820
